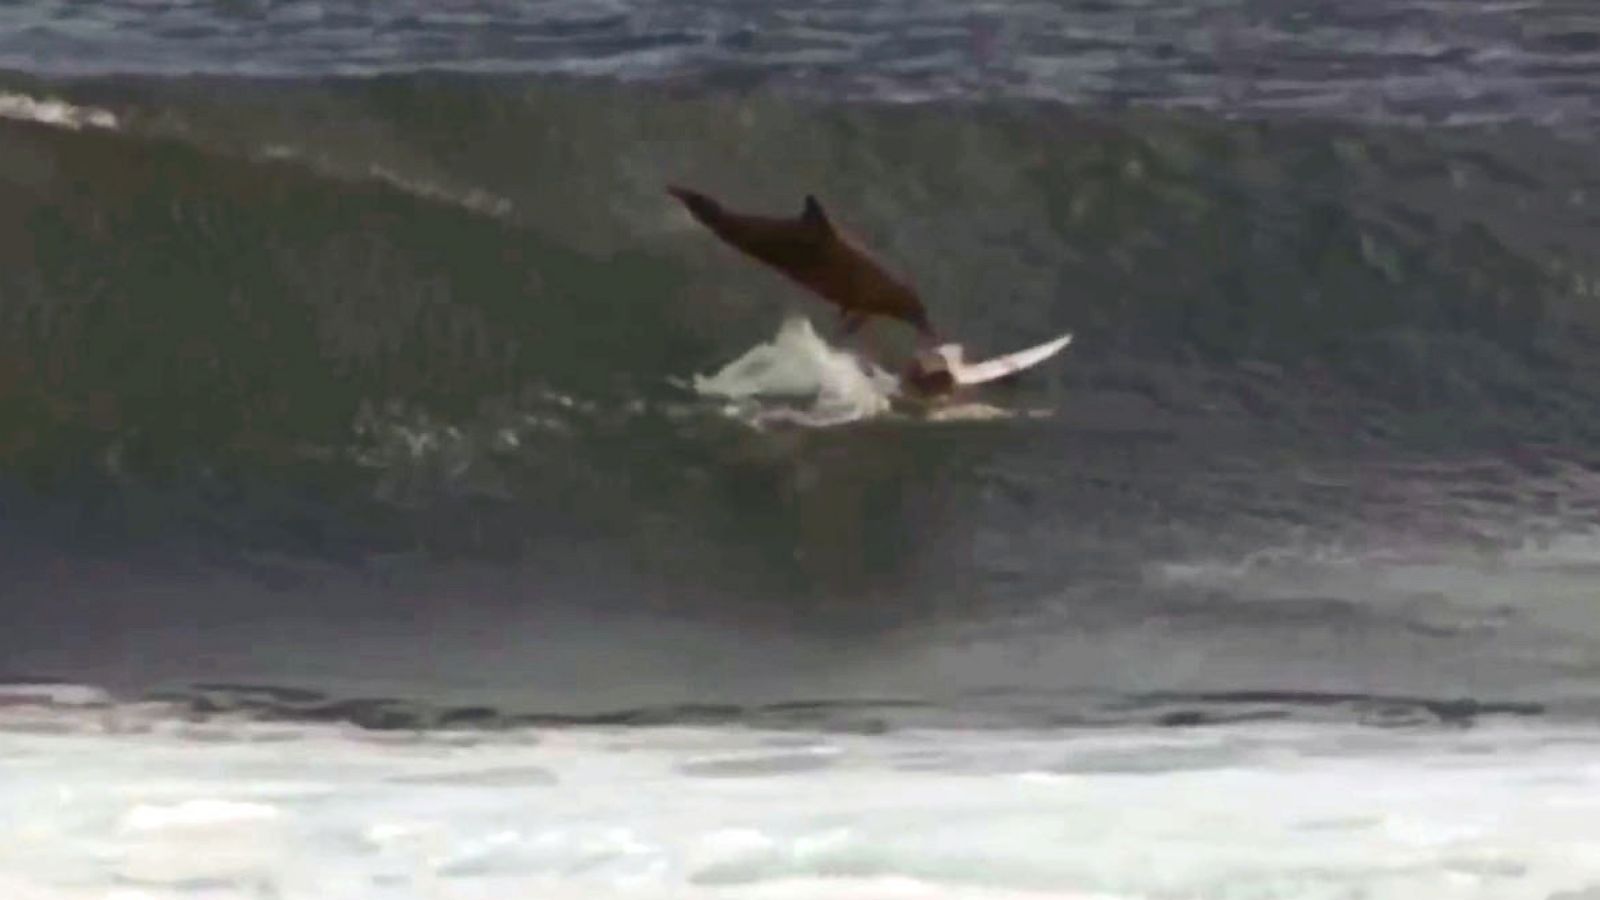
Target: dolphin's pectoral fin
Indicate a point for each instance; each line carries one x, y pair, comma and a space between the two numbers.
814, 216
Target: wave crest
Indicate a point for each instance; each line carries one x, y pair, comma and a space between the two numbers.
55, 112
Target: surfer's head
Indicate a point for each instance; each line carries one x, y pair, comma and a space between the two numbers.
930, 373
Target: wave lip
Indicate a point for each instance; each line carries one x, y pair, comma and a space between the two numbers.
55, 112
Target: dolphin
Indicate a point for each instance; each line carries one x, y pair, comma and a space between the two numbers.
812, 252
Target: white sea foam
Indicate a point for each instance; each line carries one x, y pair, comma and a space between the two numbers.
54, 112
469, 198
1507, 810
799, 378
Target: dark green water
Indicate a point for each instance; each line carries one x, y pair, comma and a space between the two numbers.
375, 384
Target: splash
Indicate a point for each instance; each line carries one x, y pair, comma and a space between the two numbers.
799, 378
54, 112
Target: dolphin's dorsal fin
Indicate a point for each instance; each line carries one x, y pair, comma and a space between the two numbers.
814, 216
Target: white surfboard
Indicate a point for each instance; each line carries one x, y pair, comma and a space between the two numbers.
969, 373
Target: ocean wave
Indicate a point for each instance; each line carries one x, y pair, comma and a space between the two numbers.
230, 349
1420, 62
54, 112
329, 244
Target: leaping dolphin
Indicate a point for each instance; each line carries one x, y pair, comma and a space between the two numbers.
810, 251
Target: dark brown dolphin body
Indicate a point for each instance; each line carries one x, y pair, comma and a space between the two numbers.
809, 250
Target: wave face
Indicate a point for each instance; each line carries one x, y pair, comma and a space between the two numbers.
291, 367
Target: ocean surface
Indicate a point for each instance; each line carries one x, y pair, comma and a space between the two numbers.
400, 496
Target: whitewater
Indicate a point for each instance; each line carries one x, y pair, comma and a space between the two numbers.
107, 800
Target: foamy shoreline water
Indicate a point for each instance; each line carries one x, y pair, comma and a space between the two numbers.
236, 809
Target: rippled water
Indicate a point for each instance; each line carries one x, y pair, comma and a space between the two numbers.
1426, 61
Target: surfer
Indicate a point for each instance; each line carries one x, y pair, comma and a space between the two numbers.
939, 373
928, 376
812, 252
